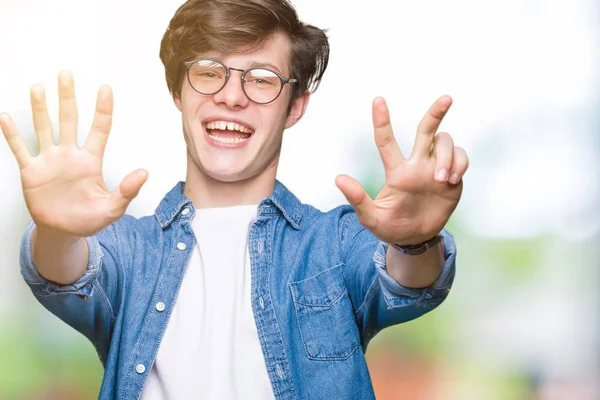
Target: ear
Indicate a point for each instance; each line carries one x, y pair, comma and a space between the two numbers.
177, 101
297, 110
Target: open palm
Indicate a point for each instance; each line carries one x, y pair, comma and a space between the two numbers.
63, 186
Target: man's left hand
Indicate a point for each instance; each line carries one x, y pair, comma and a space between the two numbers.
420, 193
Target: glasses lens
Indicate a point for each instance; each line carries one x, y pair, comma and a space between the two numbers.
207, 76
262, 85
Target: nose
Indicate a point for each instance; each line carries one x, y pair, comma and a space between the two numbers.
232, 95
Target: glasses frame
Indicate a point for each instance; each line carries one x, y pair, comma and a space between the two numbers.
283, 79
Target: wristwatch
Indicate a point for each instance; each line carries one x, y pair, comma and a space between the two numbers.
416, 249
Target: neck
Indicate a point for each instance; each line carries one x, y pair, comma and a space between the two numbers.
207, 192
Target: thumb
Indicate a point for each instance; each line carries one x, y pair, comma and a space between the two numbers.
358, 198
129, 188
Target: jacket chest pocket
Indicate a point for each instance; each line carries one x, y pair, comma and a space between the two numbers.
325, 315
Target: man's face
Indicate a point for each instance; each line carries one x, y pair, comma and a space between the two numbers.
251, 140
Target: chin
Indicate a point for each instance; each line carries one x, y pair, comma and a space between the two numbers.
227, 178
229, 175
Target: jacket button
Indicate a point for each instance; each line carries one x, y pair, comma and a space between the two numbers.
160, 306
181, 246
140, 369
185, 211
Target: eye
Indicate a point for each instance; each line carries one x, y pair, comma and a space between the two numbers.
261, 77
208, 70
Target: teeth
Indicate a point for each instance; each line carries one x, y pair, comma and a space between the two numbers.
227, 140
231, 126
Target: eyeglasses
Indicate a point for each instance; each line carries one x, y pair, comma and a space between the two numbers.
260, 85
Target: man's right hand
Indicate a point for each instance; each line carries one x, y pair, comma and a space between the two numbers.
63, 186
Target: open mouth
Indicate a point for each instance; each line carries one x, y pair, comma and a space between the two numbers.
228, 132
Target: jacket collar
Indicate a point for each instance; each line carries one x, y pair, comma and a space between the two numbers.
283, 200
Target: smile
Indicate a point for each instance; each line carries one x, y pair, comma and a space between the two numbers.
228, 133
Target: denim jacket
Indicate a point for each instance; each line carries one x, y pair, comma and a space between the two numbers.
320, 292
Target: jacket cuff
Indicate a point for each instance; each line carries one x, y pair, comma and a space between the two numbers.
397, 295
43, 287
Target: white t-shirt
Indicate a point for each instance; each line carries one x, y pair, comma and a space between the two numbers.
210, 349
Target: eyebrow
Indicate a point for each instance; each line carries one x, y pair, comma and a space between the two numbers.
256, 64
253, 64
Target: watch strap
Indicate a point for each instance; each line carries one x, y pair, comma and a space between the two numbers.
416, 249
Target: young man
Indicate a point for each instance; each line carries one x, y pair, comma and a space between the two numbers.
234, 288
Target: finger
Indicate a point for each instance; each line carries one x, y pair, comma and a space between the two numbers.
127, 191
358, 198
384, 136
443, 151
15, 142
429, 125
67, 109
460, 163
96, 141
41, 118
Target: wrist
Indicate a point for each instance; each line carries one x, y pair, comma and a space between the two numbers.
418, 248
54, 236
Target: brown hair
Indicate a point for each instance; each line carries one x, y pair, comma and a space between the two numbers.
238, 26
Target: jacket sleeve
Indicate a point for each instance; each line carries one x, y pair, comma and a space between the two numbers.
379, 301
87, 305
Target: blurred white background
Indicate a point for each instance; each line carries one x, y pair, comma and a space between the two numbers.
526, 89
